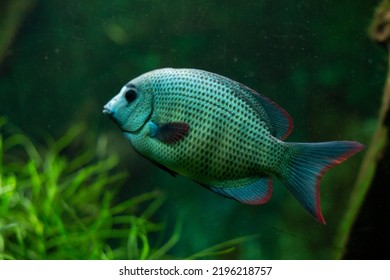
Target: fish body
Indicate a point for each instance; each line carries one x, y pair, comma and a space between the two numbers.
223, 135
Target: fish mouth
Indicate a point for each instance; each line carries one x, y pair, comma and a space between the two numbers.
107, 111
110, 113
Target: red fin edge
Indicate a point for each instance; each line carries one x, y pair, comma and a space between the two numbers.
358, 147
264, 199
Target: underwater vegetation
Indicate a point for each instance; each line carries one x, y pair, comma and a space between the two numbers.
368, 201
56, 206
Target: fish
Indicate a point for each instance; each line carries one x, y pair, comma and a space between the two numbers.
223, 135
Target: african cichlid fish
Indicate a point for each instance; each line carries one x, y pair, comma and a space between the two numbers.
223, 135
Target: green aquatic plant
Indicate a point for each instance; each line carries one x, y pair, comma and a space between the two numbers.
58, 202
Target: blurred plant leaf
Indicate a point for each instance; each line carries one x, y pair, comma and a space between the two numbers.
58, 202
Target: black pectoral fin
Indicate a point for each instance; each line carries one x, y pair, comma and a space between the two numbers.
170, 133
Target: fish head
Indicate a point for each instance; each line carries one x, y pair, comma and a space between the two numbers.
132, 107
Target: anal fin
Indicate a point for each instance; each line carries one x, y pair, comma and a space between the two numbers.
253, 191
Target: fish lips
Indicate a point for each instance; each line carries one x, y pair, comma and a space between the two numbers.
107, 110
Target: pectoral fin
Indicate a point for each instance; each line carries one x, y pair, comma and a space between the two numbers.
169, 133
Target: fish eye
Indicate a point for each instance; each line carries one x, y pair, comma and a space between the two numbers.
130, 95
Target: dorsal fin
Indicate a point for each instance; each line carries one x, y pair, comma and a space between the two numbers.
280, 122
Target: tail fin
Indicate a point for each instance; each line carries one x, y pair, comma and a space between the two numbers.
306, 165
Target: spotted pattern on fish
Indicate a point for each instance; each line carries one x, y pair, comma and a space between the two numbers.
223, 135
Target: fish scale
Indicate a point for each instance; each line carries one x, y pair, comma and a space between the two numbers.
223, 135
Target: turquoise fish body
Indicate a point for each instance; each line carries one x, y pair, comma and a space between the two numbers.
223, 135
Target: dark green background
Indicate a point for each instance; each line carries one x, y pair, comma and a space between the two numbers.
314, 58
